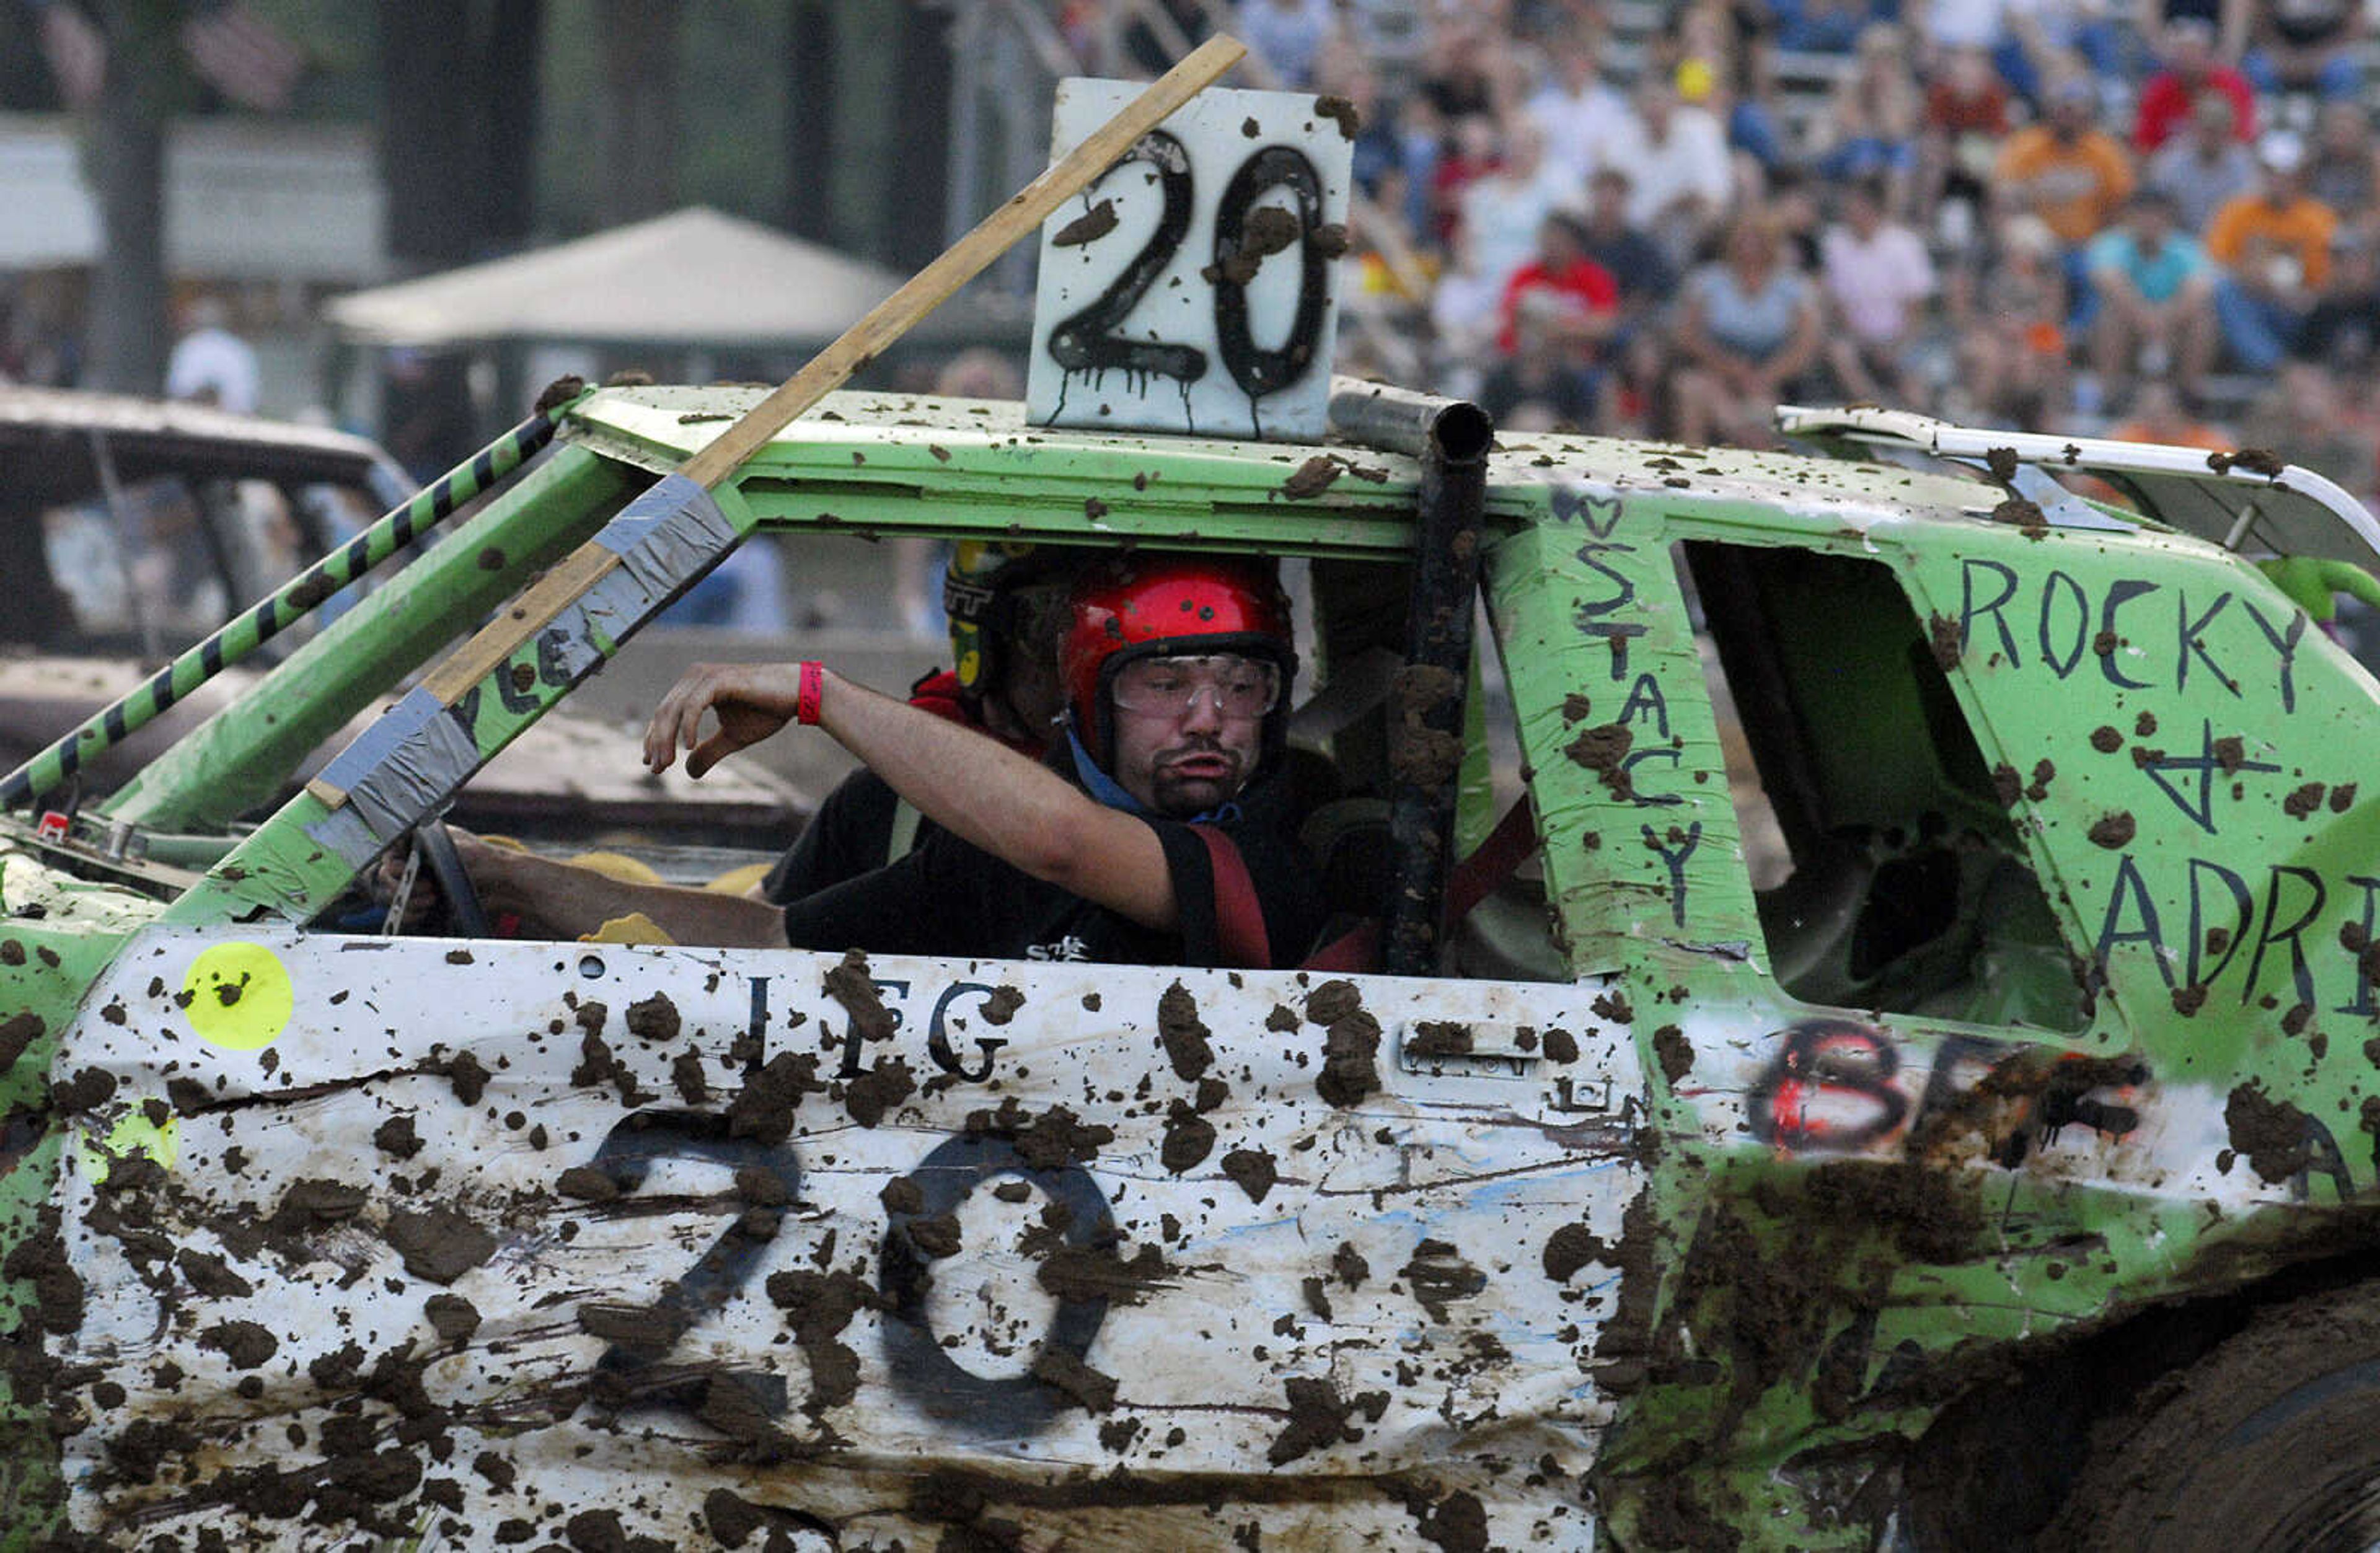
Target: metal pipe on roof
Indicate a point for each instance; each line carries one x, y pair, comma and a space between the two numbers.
1377, 416
1426, 700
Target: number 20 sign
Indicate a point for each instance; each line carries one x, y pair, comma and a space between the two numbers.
1193, 288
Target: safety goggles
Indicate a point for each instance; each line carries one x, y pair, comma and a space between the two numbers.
1240, 688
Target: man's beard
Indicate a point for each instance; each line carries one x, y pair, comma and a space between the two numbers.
1178, 796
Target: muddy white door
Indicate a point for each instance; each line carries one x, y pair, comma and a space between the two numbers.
485, 1241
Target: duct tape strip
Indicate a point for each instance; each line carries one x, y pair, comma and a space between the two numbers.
615, 606
578, 639
569, 643
396, 772
668, 536
379, 786
344, 832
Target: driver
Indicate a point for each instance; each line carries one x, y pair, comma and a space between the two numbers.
1005, 604
1159, 832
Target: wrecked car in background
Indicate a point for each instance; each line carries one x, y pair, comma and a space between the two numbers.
133, 526
131, 529
1915, 1082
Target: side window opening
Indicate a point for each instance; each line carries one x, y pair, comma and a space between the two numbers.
1339, 770
1885, 871
167, 561
1358, 613
1509, 935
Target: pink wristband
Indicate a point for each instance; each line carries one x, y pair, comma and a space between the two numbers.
813, 688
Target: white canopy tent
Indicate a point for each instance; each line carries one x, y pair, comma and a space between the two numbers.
694, 278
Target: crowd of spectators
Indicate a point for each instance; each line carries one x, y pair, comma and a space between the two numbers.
1663, 217
1642, 218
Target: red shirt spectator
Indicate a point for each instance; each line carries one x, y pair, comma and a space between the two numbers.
2164, 105
1576, 289
2190, 68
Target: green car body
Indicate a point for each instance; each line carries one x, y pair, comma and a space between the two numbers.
1952, 969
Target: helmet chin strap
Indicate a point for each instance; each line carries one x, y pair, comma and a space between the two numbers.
1101, 786
1112, 793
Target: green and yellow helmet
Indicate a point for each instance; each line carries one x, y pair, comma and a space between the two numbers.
983, 591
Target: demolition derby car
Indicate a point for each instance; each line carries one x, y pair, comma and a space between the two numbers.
1913, 1081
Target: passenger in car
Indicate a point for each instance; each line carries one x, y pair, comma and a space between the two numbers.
1159, 832
1006, 605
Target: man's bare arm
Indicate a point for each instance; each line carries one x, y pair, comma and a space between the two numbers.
1010, 806
559, 901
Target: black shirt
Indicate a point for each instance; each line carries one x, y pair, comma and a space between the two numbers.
852, 832
1635, 261
953, 898
850, 835
2342, 331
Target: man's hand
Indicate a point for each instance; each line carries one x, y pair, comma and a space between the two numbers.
751, 701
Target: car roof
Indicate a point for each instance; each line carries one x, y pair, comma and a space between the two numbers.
963, 463
2247, 499
46, 435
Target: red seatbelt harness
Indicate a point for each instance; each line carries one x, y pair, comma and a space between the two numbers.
1239, 916
1474, 880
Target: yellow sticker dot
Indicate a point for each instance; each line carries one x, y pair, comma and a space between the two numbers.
134, 1133
237, 996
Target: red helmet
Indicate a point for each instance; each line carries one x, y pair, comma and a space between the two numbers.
1156, 605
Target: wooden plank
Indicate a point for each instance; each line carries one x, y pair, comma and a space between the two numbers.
962, 261
884, 323
522, 619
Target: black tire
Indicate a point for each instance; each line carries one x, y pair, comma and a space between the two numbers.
2270, 1442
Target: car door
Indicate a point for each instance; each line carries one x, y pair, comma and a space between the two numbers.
621, 1227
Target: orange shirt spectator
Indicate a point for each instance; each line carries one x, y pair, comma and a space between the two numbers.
2300, 227
2075, 184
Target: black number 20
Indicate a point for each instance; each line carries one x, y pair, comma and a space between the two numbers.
1259, 373
1091, 340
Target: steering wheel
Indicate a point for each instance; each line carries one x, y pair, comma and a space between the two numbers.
465, 918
